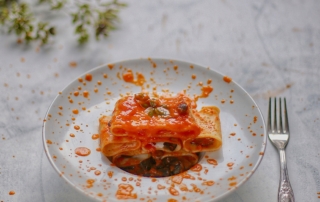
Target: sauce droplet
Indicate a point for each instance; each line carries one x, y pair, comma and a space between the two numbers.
208, 183
125, 192
227, 79
196, 168
173, 191
110, 174
12, 192
95, 136
82, 151
232, 184
85, 94
110, 66
76, 93
90, 183
212, 161
88, 77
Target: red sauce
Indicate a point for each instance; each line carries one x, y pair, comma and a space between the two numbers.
49, 142
232, 134
212, 161
230, 164
205, 92
125, 191
75, 111
72, 135
90, 183
76, 93
193, 76
76, 127
208, 183
73, 64
159, 186
88, 77
95, 136
110, 66
187, 176
233, 184
177, 179
153, 125
129, 77
82, 151
12, 192
173, 191
196, 168
85, 94
232, 178
110, 174
227, 79
172, 200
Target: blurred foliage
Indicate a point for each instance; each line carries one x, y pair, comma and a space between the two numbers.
16, 17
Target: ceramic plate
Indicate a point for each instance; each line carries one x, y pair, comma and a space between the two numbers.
72, 122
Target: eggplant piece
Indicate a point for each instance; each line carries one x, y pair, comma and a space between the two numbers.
169, 146
165, 172
178, 167
182, 108
147, 164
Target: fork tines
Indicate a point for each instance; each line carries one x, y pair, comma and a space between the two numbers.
279, 125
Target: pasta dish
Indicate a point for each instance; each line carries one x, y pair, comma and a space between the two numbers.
158, 137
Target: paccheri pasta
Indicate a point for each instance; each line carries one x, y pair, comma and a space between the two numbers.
158, 137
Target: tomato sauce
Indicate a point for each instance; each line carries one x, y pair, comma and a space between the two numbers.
125, 191
128, 76
82, 151
227, 79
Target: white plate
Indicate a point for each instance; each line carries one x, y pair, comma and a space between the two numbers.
243, 132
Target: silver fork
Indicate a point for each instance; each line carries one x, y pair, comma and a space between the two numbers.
279, 136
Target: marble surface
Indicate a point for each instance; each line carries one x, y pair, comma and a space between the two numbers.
271, 48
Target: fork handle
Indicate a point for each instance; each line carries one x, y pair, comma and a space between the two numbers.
285, 193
